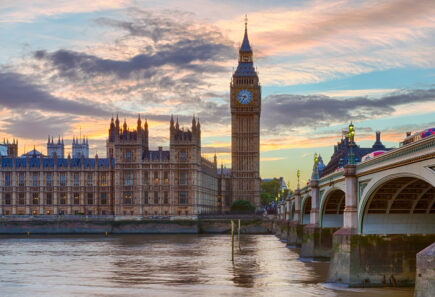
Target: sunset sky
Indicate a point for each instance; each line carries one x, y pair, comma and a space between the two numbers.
73, 64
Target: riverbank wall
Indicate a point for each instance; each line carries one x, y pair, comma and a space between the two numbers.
131, 225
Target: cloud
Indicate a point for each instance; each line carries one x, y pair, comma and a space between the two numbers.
34, 125
270, 159
320, 41
342, 17
162, 39
160, 62
155, 26
293, 111
28, 10
181, 54
19, 93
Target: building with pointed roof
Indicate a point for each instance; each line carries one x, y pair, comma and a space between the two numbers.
245, 102
134, 180
80, 147
55, 147
341, 153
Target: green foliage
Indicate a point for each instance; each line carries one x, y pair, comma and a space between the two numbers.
242, 206
266, 198
271, 187
269, 191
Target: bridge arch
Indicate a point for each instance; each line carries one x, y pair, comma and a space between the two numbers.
305, 210
401, 203
292, 210
332, 208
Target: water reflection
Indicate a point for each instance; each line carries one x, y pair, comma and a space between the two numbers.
162, 265
153, 259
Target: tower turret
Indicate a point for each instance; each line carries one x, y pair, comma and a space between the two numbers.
55, 149
117, 125
139, 123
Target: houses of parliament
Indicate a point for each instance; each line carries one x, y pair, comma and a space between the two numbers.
134, 180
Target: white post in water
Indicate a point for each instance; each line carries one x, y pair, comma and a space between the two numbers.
232, 240
238, 238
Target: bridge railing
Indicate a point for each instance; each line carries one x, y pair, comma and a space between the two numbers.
412, 148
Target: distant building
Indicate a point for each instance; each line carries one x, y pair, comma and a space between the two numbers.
132, 180
32, 154
135, 180
281, 181
80, 147
9, 149
341, 154
224, 188
55, 147
3, 150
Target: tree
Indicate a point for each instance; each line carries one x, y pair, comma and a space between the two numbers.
242, 206
269, 190
266, 198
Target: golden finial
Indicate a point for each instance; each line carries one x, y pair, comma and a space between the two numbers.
246, 21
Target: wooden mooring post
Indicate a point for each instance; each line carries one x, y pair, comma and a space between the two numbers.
232, 240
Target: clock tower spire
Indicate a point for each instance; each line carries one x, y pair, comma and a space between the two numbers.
245, 98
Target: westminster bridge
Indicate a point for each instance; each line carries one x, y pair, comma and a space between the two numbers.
369, 219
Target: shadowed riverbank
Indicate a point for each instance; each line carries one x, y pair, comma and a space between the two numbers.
130, 225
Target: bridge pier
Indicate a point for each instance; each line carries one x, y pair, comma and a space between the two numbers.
295, 228
311, 232
375, 260
284, 231
295, 234
277, 222
316, 241
350, 214
285, 221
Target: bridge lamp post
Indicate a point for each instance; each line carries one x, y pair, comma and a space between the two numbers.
315, 171
351, 136
298, 174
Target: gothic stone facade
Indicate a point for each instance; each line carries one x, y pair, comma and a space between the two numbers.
245, 100
133, 180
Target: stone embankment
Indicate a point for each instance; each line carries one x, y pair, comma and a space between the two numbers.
366, 260
130, 225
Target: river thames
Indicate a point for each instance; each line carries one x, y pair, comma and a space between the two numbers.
163, 265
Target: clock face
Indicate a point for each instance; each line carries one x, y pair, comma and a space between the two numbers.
244, 96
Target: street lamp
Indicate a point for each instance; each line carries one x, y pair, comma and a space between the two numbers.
315, 174
298, 174
351, 136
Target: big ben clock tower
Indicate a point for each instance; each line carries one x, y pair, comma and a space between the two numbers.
245, 97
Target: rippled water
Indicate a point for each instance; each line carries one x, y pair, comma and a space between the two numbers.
162, 265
